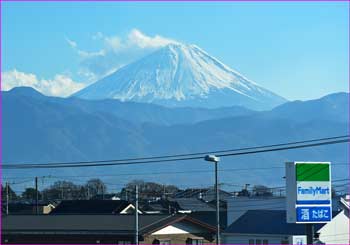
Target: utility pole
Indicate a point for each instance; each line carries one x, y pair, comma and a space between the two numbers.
310, 233
136, 215
36, 196
7, 198
217, 205
88, 192
61, 191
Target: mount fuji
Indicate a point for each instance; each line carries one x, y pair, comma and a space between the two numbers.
179, 75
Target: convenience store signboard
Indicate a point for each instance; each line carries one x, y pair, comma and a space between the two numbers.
308, 192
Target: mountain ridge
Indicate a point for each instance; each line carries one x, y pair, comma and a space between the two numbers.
135, 111
46, 129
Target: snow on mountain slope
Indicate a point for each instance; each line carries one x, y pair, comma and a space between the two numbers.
181, 75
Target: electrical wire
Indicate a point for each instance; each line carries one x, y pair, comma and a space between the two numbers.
172, 159
190, 154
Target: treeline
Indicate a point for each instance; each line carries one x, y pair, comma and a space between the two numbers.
59, 190
96, 188
93, 188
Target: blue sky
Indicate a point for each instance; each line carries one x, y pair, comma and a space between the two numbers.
298, 50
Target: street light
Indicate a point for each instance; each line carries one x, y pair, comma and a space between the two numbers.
215, 159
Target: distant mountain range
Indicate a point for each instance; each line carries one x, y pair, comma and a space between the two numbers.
37, 128
181, 75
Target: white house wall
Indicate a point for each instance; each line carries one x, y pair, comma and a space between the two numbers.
336, 231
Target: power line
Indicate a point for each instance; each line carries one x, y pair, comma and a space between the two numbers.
286, 148
171, 172
196, 189
188, 154
172, 158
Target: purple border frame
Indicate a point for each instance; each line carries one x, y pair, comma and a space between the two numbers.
175, 1
153, 1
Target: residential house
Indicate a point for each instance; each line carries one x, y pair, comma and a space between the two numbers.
194, 208
189, 205
209, 217
222, 204
237, 206
337, 231
179, 229
265, 227
157, 207
94, 207
105, 229
177, 205
27, 207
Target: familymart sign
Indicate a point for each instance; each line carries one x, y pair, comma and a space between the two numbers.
308, 192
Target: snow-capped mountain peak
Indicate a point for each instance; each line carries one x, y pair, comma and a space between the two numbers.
181, 75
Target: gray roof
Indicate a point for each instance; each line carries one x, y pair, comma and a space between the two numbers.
193, 204
266, 222
91, 224
90, 207
209, 217
77, 223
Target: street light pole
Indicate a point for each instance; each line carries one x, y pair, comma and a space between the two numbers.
217, 205
215, 159
7, 198
136, 215
36, 196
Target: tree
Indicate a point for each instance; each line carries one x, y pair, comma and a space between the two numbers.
95, 187
261, 190
12, 194
30, 194
64, 190
244, 193
147, 190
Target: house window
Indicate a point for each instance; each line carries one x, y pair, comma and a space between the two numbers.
258, 241
194, 241
164, 242
197, 242
124, 242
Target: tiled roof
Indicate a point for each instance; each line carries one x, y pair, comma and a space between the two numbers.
90, 207
266, 222
77, 223
193, 204
109, 224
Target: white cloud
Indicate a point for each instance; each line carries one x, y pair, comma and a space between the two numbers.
97, 36
143, 41
71, 43
60, 85
84, 54
117, 51
113, 43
